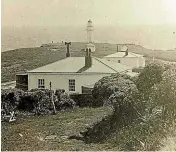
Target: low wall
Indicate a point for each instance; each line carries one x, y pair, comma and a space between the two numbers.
82, 100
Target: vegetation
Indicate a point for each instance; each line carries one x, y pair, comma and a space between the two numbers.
51, 132
35, 101
152, 74
143, 114
116, 84
63, 101
144, 110
21, 60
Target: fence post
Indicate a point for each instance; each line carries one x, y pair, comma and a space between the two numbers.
52, 99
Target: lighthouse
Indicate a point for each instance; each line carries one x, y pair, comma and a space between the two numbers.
89, 30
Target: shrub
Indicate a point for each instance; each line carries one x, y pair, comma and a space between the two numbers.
138, 136
117, 90
141, 117
10, 99
37, 101
64, 101
164, 95
109, 85
151, 75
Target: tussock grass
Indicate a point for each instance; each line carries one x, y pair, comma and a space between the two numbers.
29, 133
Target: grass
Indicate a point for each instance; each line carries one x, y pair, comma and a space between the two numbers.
21, 60
169, 144
30, 132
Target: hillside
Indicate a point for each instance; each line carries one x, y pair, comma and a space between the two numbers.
21, 60
51, 132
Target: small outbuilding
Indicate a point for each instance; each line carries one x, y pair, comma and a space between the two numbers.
123, 56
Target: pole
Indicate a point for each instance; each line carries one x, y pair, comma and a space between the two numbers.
54, 108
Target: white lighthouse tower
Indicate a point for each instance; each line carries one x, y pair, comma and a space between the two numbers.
89, 31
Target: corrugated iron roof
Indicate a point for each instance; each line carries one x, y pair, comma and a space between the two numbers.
122, 54
74, 64
104, 66
70, 64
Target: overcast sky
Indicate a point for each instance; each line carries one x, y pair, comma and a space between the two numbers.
77, 12
151, 23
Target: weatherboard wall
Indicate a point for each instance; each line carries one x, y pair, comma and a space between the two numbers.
61, 81
141, 62
134, 62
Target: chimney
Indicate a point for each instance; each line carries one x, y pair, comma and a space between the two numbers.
88, 58
126, 52
68, 51
117, 48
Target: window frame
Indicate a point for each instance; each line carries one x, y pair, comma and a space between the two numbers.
41, 83
71, 85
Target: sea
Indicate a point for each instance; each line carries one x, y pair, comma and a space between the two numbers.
152, 37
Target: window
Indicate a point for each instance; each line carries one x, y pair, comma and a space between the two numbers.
118, 61
72, 85
41, 83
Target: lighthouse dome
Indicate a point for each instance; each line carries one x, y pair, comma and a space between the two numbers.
90, 21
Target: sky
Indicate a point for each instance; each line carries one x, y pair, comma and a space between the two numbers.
123, 14
76, 12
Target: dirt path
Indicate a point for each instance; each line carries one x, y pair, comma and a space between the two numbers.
169, 144
8, 85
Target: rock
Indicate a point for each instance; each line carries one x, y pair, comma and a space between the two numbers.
40, 138
56, 138
51, 137
64, 137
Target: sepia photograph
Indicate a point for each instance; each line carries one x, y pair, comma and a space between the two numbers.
88, 75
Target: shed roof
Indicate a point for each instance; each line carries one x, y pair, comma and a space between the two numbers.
122, 54
75, 64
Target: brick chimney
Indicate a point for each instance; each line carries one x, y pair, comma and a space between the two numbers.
68, 49
126, 52
117, 48
88, 58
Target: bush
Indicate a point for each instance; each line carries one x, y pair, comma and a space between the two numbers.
164, 95
151, 75
37, 101
117, 91
142, 114
64, 101
109, 85
42, 101
10, 99
138, 136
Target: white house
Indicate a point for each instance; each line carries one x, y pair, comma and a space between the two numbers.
125, 57
74, 73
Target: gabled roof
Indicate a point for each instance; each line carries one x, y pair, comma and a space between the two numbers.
122, 54
74, 64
